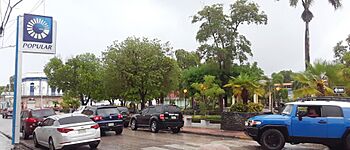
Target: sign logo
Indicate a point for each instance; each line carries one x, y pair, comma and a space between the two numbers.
37, 28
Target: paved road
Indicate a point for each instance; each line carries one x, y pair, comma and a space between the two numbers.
145, 140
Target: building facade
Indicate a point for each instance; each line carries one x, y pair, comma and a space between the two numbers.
37, 93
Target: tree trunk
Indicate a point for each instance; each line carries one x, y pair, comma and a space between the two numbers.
149, 102
307, 46
245, 96
221, 104
161, 98
142, 96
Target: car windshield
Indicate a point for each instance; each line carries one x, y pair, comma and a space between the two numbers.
123, 110
287, 110
43, 113
107, 111
172, 109
73, 120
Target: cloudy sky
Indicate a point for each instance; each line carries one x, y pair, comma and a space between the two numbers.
91, 26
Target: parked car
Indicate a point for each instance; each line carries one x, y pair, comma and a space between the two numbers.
126, 115
61, 131
7, 112
159, 117
108, 118
30, 119
324, 122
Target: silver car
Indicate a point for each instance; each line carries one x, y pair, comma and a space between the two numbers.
61, 131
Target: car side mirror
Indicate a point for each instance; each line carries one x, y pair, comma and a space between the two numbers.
301, 114
40, 124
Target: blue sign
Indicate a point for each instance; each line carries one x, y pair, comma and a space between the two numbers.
37, 28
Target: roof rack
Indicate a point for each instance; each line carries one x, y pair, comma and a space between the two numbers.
326, 98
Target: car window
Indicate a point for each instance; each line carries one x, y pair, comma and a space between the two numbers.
332, 111
107, 111
159, 109
48, 122
152, 110
145, 111
73, 120
172, 109
287, 110
309, 111
88, 112
43, 113
123, 110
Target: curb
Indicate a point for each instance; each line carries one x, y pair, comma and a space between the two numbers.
21, 143
224, 136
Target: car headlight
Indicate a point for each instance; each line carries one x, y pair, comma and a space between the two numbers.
252, 123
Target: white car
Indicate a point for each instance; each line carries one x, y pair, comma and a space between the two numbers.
60, 131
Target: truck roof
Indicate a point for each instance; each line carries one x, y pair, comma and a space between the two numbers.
320, 103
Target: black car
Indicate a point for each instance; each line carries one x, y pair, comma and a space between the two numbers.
108, 118
126, 115
159, 117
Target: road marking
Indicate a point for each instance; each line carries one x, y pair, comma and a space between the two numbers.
185, 147
153, 148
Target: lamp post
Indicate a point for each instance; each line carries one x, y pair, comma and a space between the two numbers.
185, 92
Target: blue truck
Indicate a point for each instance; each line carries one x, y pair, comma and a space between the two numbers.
323, 122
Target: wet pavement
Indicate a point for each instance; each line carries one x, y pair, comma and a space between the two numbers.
145, 140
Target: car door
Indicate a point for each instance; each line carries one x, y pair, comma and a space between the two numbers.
142, 119
335, 119
308, 126
46, 130
40, 132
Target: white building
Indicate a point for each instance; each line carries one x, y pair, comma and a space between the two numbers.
36, 84
36, 91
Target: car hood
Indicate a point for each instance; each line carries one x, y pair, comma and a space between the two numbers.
269, 117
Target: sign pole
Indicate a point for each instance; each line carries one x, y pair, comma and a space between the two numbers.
17, 93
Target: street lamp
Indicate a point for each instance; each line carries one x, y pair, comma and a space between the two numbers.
185, 91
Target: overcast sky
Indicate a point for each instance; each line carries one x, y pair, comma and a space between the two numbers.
91, 26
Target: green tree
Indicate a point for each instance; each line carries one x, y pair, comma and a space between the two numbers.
307, 17
208, 92
340, 50
219, 37
78, 77
140, 67
244, 86
186, 59
317, 80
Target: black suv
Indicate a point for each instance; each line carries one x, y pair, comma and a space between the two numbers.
108, 118
159, 117
126, 115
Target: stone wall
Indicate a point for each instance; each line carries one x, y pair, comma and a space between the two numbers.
235, 120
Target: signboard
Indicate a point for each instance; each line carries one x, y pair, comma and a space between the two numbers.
37, 34
339, 90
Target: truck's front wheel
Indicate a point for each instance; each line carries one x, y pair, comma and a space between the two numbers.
272, 139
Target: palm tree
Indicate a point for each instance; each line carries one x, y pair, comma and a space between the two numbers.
243, 86
317, 80
307, 17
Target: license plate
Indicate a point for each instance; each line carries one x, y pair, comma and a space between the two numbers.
173, 117
110, 124
81, 131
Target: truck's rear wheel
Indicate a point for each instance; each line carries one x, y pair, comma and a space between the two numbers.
347, 142
272, 139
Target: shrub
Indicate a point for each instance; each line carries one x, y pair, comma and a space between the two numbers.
255, 107
238, 107
211, 118
250, 107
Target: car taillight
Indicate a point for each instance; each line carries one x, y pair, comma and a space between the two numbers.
120, 116
31, 120
96, 126
64, 130
97, 118
161, 117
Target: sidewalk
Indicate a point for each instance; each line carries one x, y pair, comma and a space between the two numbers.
215, 132
5, 143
